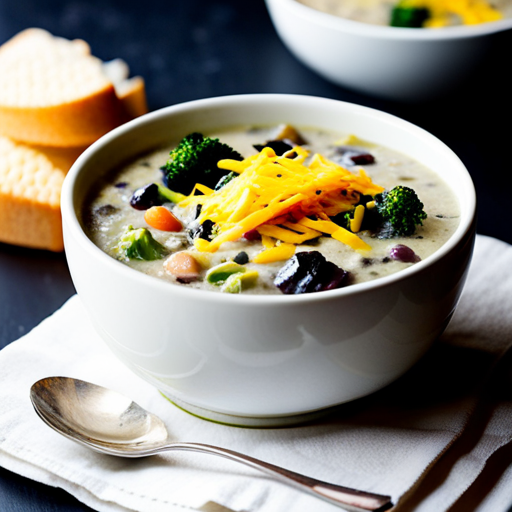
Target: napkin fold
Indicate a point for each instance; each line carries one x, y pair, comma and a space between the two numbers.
428, 439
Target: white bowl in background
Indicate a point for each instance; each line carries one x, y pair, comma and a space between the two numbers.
276, 359
402, 64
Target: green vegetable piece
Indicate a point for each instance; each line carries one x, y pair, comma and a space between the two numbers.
235, 283
408, 17
170, 195
195, 160
139, 244
401, 209
219, 274
225, 180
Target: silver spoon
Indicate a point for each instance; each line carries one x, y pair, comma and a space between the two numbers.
110, 423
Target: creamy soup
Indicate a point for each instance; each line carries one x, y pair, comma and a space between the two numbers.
430, 13
108, 213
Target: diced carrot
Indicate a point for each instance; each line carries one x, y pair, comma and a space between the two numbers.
182, 264
161, 218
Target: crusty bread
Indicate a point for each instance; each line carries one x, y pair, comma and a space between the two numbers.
55, 100
30, 184
53, 92
132, 93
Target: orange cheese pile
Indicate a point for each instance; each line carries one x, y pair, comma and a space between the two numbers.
277, 196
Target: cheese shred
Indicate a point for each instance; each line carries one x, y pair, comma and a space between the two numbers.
280, 197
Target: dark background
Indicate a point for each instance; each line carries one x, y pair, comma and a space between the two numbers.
194, 49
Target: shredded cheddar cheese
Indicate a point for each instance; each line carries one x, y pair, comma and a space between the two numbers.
470, 12
267, 241
355, 223
278, 196
289, 232
280, 252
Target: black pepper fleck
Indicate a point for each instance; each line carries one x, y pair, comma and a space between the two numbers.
366, 262
241, 258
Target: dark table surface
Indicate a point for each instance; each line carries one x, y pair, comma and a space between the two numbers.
197, 49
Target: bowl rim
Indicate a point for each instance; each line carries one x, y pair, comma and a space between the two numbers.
72, 223
340, 24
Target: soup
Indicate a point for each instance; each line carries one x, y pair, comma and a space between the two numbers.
212, 247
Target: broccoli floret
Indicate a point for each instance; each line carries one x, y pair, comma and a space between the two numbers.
139, 244
395, 213
408, 17
194, 160
401, 211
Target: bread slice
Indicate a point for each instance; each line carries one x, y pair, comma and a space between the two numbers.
30, 183
53, 92
55, 100
130, 91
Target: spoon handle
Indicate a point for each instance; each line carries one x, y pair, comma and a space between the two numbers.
350, 499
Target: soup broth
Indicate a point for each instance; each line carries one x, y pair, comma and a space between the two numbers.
108, 213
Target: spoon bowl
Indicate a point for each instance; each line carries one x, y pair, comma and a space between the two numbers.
97, 417
111, 423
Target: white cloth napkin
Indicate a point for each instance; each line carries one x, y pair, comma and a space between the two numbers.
424, 439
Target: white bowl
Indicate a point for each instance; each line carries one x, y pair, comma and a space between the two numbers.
266, 360
394, 63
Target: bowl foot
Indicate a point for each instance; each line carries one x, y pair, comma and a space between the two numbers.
248, 421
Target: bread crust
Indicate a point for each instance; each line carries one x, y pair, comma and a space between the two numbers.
79, 123
133, 97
